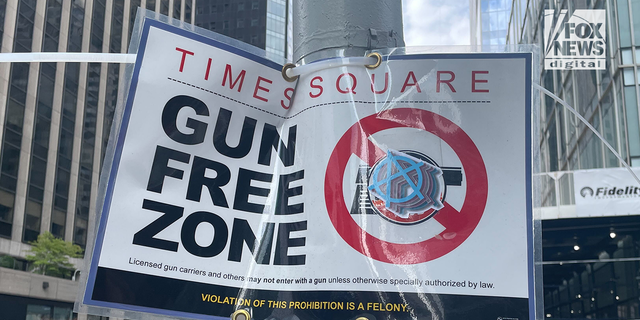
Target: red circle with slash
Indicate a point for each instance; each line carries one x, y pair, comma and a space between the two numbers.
458, 224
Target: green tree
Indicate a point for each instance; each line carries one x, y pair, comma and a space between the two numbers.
50, 255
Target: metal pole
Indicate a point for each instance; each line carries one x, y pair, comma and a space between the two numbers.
328, 28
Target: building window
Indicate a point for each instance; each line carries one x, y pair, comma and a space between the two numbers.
6, 212
24, 26
624, 25
16, 99
213, 8
113, 77
76, 27
241, 6
633, 128
39, 153
117, 16
97, 26
240, 23
627, 76
38, 312
254, 39
176, 9
13, 263
627, 55
255, 5
135, 4
164, 7
62, 313
52, 26
3, 5
65, 146
48, 312
212, 25
187, 11
225, 25
254, 22
12, 141
87, 147
40, 143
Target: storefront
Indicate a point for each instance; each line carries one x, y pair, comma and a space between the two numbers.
592, 267
20, 308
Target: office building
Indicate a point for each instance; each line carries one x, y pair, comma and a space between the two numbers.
591, 254
265, 24
55, 120
488, 22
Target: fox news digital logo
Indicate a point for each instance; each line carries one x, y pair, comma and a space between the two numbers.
576, 41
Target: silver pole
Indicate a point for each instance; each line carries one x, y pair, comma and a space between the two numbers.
328, 28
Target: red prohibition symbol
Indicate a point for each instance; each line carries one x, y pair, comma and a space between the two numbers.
458, 224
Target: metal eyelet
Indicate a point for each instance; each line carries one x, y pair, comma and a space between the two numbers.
241, 314
284, 72
377, 64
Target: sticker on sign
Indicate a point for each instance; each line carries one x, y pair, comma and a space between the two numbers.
378, 193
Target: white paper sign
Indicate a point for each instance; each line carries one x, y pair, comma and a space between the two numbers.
398, 192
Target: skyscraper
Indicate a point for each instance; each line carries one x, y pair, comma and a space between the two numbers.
590, 257
263, 23
55, 120
489, 22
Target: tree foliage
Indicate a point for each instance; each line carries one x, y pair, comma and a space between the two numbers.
7, 261
50, 255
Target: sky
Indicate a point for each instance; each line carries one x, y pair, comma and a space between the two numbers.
436, 22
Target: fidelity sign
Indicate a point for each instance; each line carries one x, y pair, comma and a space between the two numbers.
231, 190
606, 192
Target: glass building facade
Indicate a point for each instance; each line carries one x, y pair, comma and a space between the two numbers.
591, 265
55, 120
607, 98
265, 24
56, 116
494, 15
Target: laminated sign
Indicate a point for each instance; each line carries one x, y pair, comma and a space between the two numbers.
400, 192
